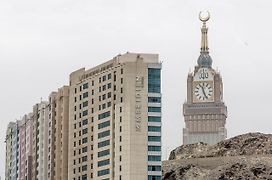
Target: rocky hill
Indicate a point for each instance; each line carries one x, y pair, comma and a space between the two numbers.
247, 156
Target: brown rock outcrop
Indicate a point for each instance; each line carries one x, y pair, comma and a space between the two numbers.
247, 156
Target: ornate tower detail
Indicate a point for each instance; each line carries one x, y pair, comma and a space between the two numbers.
204, 111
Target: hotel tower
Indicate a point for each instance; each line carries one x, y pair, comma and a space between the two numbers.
115, 120
204, 111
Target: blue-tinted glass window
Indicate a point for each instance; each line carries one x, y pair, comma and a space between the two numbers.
84, 177
154, 80
154, 129
104, 124
103, 134
154, 168
103, 115
104, 143
154, 109
103, 153
154, 148
154, 119
154, 158
154, 99
154, 138
103, 172
103, 163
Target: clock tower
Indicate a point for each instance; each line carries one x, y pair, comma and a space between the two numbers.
204, 111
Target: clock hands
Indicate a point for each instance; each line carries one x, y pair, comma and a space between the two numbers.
203, 91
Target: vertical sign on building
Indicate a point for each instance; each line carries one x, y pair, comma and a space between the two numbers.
138, 101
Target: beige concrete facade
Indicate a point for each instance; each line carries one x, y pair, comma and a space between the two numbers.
108, 127
105, 125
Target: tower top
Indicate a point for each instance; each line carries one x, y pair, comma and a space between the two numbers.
204, 60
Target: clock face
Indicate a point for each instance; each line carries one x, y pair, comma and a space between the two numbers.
203, 91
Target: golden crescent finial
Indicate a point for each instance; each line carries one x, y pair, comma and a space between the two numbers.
204, 19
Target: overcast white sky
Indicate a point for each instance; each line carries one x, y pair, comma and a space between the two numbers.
41, 42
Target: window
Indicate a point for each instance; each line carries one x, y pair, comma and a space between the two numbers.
121, 80
104, 143
154, 119
84, 177
85, 104
109, 94
92, 82
75, 90
109, 104
103, 172
109, 85
154, 148
84, 149
104, 97
103, 134
103, 153
104, 87
154, 99
154, 80
104, 124
85, 113
109, 76
85, 131
154, 158
154, 177
122, 71
84, 140
86, 94
84, 168
85, 122
84, 158
154, 129
104, 115
104, 78
85, 86
103, 163
154, 138
154, 109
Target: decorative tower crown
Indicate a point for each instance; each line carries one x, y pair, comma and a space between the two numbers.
204, 59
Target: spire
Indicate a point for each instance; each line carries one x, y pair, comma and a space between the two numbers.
204, 59
204, 37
